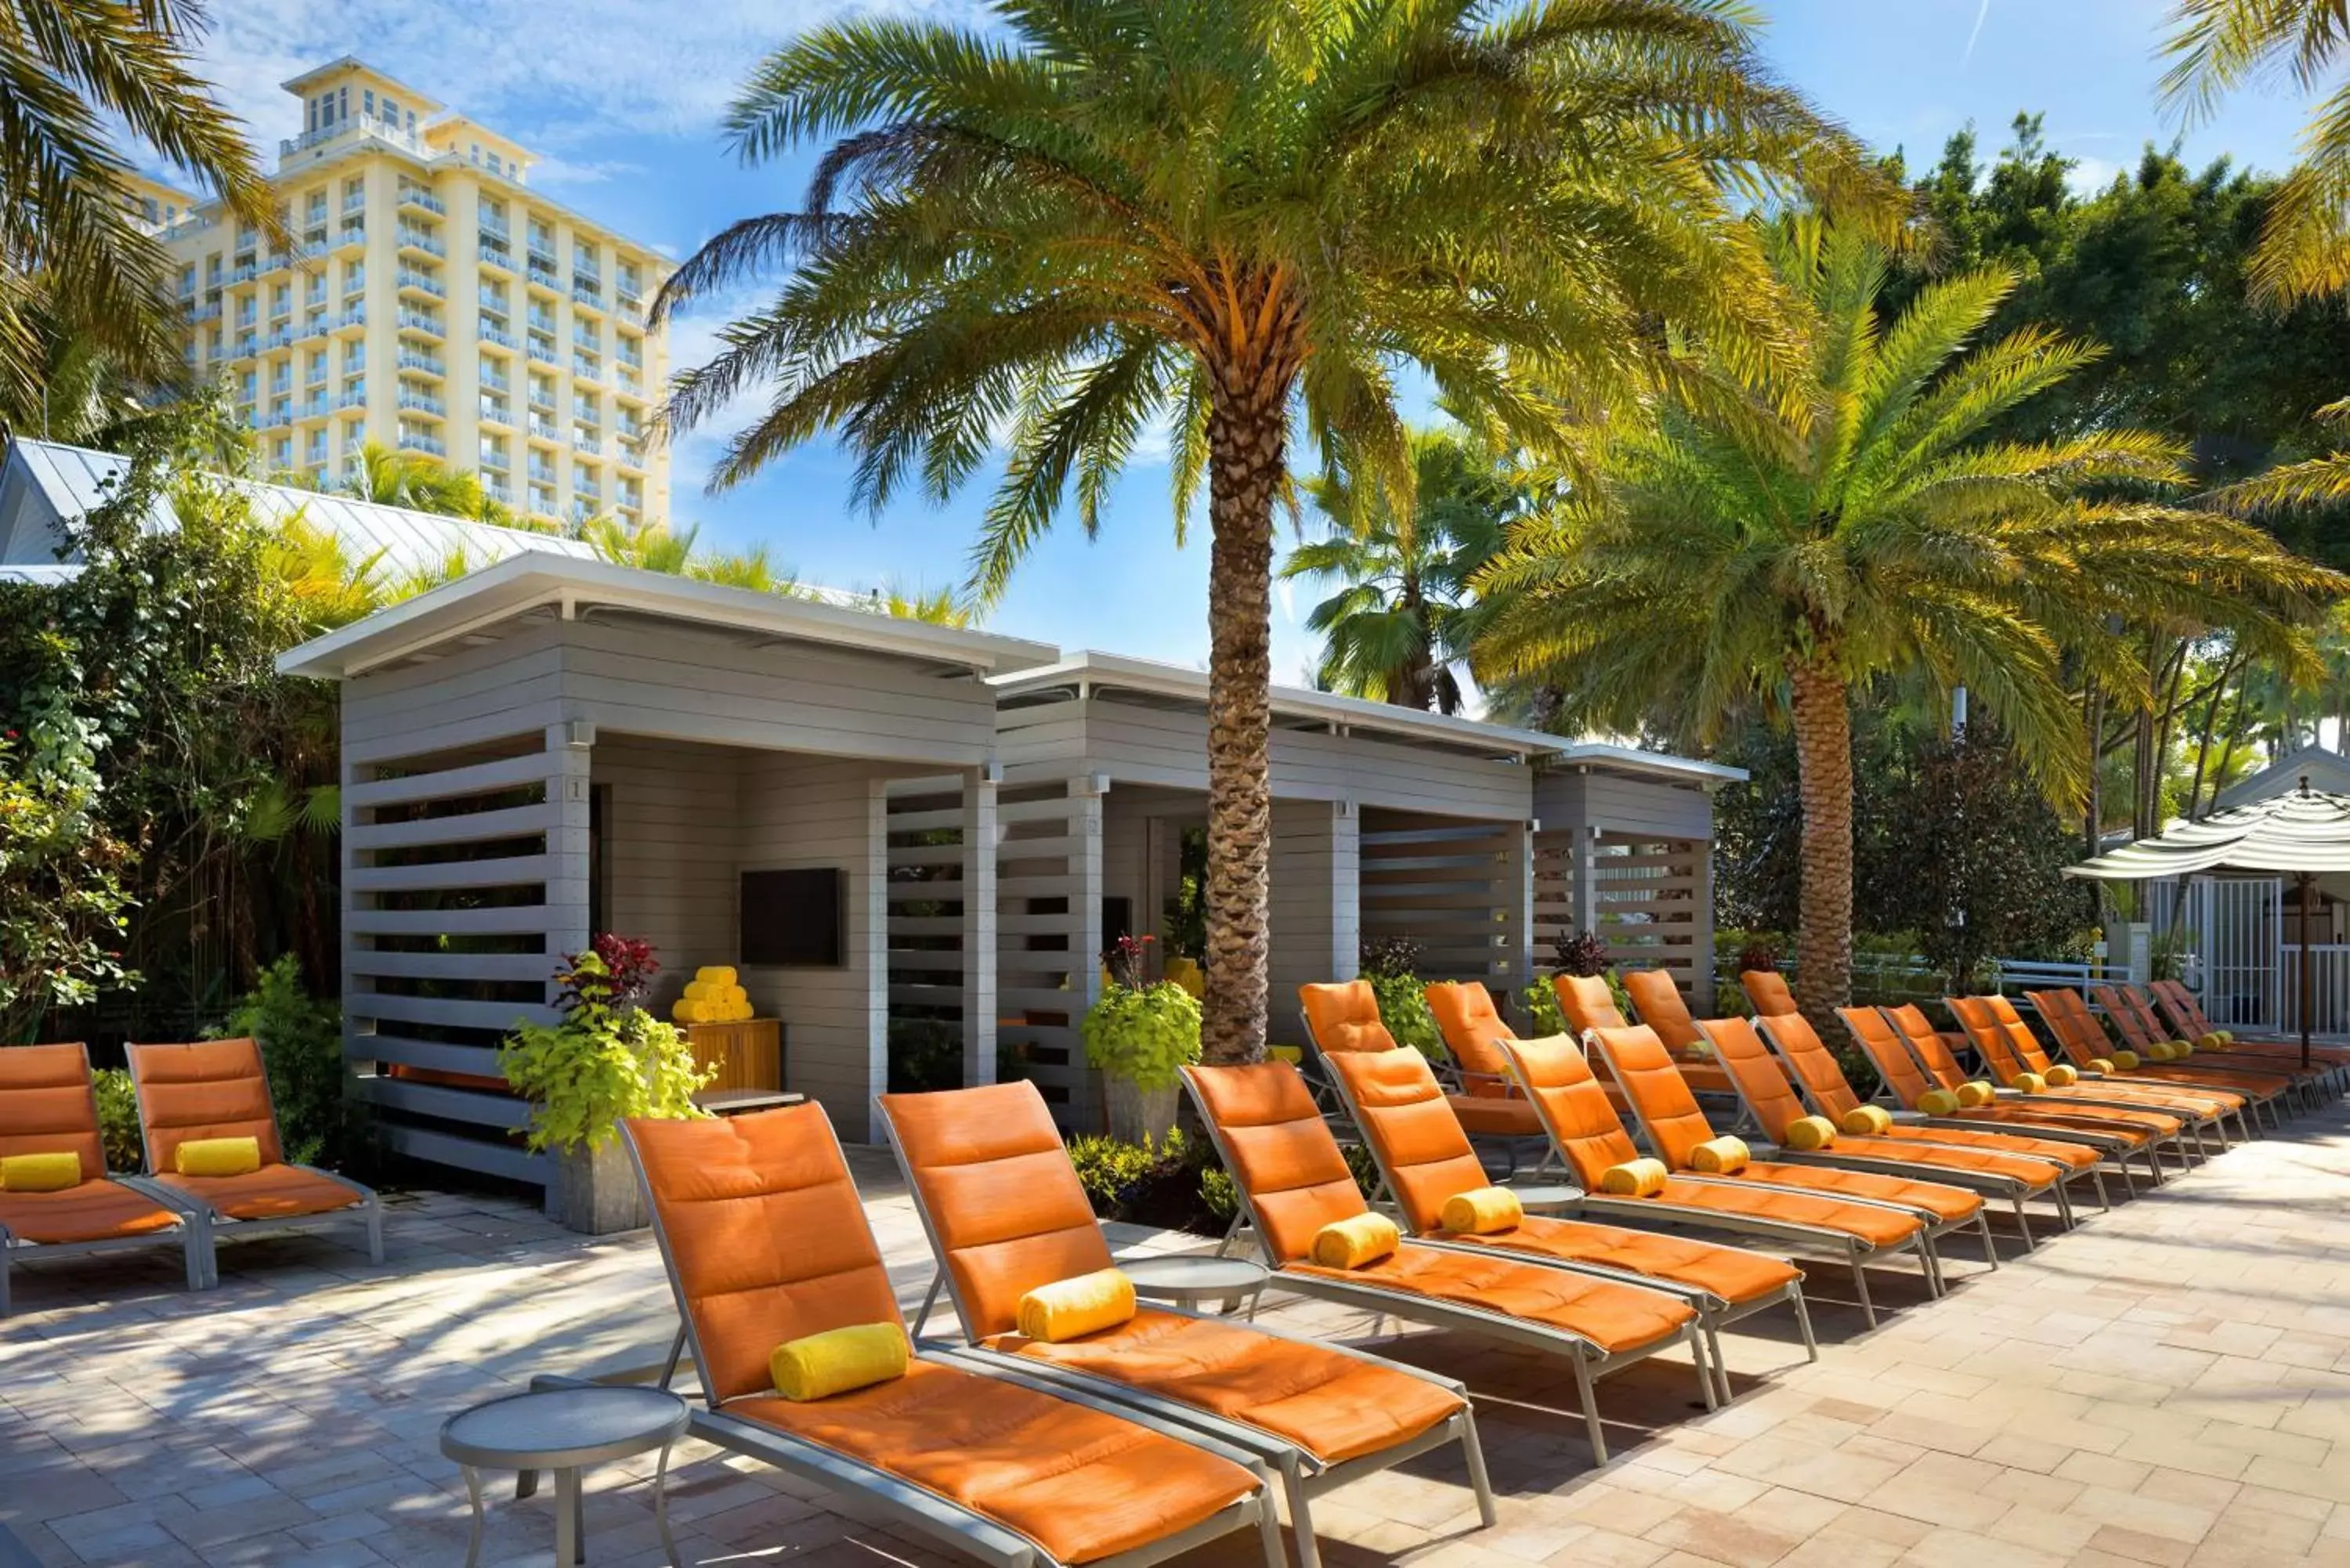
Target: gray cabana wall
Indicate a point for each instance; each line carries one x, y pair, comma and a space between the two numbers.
1626, 851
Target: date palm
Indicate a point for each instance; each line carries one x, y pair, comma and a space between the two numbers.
1785, 540
1240, 220
73, 262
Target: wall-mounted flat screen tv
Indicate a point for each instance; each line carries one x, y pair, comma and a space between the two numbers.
792, 920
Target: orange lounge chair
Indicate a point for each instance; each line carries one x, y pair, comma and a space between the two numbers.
1658, 1004
48, 1104
765, 1241
2140, 1026
1586, 1003
2084, 1041
2047, 1108
1768, 989
1589, 1136
1773, 1096
2009, 1049
1005, 1215
1470, 1024
1345, 1016
1674, 1126
1424, 1158
1293, 1181
217, 1089
1882, 1043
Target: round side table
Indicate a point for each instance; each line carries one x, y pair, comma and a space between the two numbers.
1545, 1199
565, 1430
1188, 1280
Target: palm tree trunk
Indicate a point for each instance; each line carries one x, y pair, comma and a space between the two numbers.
1823, 720
1245, 456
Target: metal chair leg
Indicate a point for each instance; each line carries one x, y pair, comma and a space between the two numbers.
1803, 1322
1991, 1246
1860, 1285
1472, 1454
1301, 1515
1590, 1411
1695, 1335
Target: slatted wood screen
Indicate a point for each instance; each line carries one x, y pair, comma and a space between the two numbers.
1455, 887
941, 965
1648, 899
1048, 897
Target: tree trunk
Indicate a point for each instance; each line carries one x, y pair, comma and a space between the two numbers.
1823, 719
1246, 431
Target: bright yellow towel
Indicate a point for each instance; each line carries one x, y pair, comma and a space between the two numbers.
687, 1013
1359, 1238
1635, 1178
1072, 1309
218, 1156
1720, 1157
1806, 1133
1976, 1092
2181, 1049
1292, 1055
701, 991
1937, 1102
1866, 1121
2224, 1036
1481, 1210
2101, 1064
2158, 1051
839, 1359
2125, 1060
716, 973
40, 1172
2061, 1076
2027, 1084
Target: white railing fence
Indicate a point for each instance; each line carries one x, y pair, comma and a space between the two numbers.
2329, 991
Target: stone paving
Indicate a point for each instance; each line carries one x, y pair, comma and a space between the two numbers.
2169, 1384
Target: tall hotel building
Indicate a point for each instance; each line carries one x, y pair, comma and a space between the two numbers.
436, 304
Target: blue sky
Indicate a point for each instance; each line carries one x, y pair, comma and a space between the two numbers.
623, 96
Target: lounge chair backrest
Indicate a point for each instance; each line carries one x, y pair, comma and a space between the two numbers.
1767, 989
1816, 1066
1658, 1002
1587, 1002
2019, 1038
47, 1105
1761, 1082
1465, 1015
1989, 1036
1874, 1034
1001, 1199
213, 1088
1418, 1143
2077, 1034
1918, 1032
1280, 1153
1345, 1016
2129, 1022
764, 1235
1573, 1107
2185, 1014
1644, 1072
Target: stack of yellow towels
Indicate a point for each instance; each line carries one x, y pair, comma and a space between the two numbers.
711, 996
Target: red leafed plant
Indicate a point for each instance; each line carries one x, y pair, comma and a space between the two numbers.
1123, 959
631, 965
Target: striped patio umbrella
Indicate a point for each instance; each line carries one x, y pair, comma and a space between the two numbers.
2301, 833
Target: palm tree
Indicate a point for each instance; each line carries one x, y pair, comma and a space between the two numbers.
74, 261
1243, 218
1787, 539
391, 476
1401, 620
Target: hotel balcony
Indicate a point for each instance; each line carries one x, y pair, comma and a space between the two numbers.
497, 336
411, 197
421, 324
497, 256
350, 321
417, 240
410, 360
411, 281
417, 441
423, 403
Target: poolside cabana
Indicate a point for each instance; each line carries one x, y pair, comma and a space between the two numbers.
1479, 842
550, 747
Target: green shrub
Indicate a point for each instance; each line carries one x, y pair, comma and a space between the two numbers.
1219, 1195
118, 1120
601, 1064
301, 1040
1109, 1169
1403, 1007
1144, 1034
1541, 1003
924, 1053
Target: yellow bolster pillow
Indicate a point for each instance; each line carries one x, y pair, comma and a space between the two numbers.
1866, 1121
839, 1359
218, 1156
1808, 1133
2061, 1076
1635, 1178
2101, 1064
1292, 1055
701, 991
2160, 1051
716, 973
1359, 1238
1481, 1210
1720, 1157
40, 1172
1937, 1102
2027, 1083
2125, 1060
2210, 1042
1071, 1309
687, 1013
1975, 1092
2225, 1036
2181, 1049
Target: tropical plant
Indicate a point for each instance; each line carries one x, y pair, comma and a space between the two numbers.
1398, 627
76, 263
393, 476
1143, 1033
1777, 540
602, 1061
301, 1041
62, 901
1239, 222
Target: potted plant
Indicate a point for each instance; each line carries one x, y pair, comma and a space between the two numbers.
1139, 1036
1390, 965
606, 1058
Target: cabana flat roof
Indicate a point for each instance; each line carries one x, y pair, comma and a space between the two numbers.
473, 607
1298, 706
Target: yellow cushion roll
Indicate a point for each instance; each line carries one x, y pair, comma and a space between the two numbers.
1976, 1092
218, 1156
2224, 1036
2101, 1064
1481, 1210
1359, 1238
2028, 1083
1292, 1055
1866, 1121
1939, 1102
688, 1012
839, 1359
716, 973
1071, 1309
2125, 1060
2061, 1076
701, 991
2160, 1051
40, 1172
2181, 1049
1810, 1133
1635, 1178
1720, 1157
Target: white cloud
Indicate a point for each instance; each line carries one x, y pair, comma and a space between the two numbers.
2090, 175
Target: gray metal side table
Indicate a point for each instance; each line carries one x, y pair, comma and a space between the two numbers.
1546, 1197
565, 1430
1188, 1280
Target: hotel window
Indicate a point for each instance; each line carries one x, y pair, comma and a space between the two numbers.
494, 167
354, 276
314, 210
284, 452
354, 190
188, 278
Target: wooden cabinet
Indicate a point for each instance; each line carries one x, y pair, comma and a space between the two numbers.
747, 1055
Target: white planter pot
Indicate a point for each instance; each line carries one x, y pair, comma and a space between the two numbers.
596, 1193
1138, 1115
